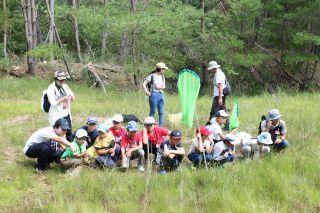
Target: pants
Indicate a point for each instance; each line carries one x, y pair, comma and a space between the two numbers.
44, 154
198, 158
138, 154
156, 100
71, 162
69, 132
108, 160
216, 107
278, 147
254, 151
152, 149
169, 164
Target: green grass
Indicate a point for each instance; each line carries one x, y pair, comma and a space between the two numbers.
285, 182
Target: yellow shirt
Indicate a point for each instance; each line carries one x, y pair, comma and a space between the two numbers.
100, 143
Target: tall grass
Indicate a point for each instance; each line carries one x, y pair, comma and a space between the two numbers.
285, 182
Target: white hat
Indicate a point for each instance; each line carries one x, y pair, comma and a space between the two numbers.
213, 65
80, 133
161, 65
221, 113
265, 138
60, 75
149, 120
117, 118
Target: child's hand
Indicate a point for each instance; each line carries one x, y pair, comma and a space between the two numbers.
129, 152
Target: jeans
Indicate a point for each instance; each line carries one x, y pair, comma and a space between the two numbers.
198, 158
284, 144
109, 161
44, 154
156, 100
216, 107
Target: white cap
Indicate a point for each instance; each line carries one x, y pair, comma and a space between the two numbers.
80, 133
161, 65
117, 118
149, 120
221, 113
213, 65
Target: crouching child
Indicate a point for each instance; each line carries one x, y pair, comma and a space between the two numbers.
223, 150
131, 147
201, 148
108, 153
71, 159
171, 153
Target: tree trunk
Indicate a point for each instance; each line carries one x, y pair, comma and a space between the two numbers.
30, 17
76, 31
104, 33
202, 17
124, 46
5, 30
256, 75
133, 6
51, 29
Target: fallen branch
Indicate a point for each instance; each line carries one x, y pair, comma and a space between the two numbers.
98, 80
105, 68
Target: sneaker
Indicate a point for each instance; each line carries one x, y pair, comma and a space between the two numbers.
141, 168
163, 172
125, 165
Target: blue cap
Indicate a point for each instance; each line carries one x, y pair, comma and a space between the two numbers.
133, 126
274, 114
63, 123
176, 134
92, 120
104, 127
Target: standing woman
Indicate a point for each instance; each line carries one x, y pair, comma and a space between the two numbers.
154, 85
60, 97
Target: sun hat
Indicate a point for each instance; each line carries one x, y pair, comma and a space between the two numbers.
221, 113
274, 114
204, 131
60, 75
133, 126
63, 123
161, 65
103, 127
92, 120
213, 65
80, 133
149, 120
230, 137
117, 118
265, 138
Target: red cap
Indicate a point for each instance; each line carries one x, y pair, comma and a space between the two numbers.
204, 131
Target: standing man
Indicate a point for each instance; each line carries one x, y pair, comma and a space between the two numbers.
60, 97
154, 85
219, 83
38, 145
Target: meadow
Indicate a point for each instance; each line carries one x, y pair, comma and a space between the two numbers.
284, 182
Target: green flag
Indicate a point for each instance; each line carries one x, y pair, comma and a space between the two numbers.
234, 120
188, 86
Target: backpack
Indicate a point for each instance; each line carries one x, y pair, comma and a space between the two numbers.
45, 104
227, 89
130, 117
263, 118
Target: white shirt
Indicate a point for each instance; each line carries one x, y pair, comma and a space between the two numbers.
215, 128
158, 81
219, 77
195, 144
61, 110
40, 136
219, 148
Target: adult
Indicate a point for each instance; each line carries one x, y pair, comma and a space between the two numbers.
152, 136
277, 128
38, 144
154, 85
91, 127
60, 97
171, 153
219, 83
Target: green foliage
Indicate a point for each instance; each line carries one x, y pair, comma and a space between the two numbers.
45, 51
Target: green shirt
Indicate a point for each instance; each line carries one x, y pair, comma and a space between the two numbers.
70, 154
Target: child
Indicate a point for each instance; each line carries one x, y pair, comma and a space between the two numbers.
202, 143
72, 159
223, 150
108, 153
117, 130
171, 153
131, 146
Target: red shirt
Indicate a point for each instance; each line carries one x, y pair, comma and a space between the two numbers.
118, 133
156, 137
128, 142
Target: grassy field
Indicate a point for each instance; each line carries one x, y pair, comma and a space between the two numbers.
285, 182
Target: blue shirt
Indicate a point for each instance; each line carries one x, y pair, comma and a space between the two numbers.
92, 136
